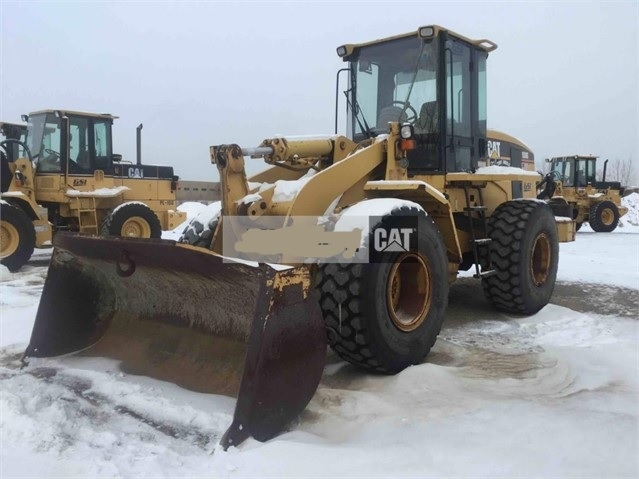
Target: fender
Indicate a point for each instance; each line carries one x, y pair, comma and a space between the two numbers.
422, 192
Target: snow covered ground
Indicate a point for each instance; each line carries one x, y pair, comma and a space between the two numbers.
554, 394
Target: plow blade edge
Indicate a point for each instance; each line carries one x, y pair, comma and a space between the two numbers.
181, 314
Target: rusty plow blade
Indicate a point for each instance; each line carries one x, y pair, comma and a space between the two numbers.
182, 314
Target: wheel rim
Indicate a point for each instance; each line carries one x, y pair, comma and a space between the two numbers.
607, 216
9, 239
540, 259
408, 291
136, 227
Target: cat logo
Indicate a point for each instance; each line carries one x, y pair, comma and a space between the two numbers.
136, 173
79, 182
397, 239
494, 149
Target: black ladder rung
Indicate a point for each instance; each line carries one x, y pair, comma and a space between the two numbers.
486, 274
475, 208
482, 241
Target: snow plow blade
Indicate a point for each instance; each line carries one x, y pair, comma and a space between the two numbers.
181, 314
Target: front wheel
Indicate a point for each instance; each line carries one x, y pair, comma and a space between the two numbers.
604, 217
17, 237
524, 255
200, 230
386, 315
132, 220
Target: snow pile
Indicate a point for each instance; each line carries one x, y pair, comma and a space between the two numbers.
200, 221
550, 395
5, 274
632, 217
192, 208
287, 190
104, 192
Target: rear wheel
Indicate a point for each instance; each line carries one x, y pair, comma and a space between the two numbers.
386, 316
524, 254
133, 220
604, 217
17, 237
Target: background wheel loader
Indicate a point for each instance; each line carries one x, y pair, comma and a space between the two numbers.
572, 182
12, 135
404, 184
66, 178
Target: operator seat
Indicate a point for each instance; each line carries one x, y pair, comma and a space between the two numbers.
83, 161
388, 114
581, 179
428, 121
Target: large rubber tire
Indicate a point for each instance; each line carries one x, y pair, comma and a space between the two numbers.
604, 217
525, 255
358, 302
199, 231
17, 237
133, 220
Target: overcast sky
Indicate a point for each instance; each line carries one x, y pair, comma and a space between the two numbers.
564, 79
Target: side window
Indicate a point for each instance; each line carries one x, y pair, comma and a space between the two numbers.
458, 89
102, 138
79, 145
481, 94
458, 106
568, 174
367, 85
45, 142
591, 174
581, 173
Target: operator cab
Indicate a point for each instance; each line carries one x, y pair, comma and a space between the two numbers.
13, 131
87, 147
574, 171
433, 79
10, 150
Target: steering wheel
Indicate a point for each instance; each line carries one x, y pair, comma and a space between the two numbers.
52, 152
4, 143
411, 113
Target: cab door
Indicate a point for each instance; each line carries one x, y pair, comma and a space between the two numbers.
465, 83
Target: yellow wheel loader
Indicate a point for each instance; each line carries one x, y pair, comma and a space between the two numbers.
346, 240
572, 182
65, 177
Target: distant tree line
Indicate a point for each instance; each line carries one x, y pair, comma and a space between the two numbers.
617, 170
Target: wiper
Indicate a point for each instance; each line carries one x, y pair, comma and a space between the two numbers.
356, 112
412, 82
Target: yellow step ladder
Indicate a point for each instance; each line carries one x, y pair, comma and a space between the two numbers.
87, 215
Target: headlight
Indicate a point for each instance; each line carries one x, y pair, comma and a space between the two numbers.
341, 51
426, 32
406, 131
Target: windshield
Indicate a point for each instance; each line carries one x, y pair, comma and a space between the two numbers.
43, 139
394, 81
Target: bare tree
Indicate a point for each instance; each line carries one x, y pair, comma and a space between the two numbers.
617, 170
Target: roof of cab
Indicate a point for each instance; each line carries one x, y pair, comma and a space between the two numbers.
76, 113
